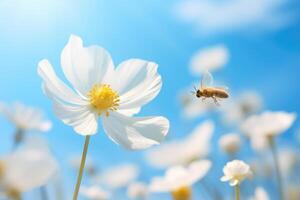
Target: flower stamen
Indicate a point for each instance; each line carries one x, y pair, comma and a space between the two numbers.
103, 99
183, 193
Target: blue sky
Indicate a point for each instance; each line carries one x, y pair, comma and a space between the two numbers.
264, 57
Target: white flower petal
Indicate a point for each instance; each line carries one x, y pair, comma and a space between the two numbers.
81, 118
199, 169
135, 133
29, 167
119, 176
137, 82
94, 192
178, 176
233, 182
84, 66
55, 86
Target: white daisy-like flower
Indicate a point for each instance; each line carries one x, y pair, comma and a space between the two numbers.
235, 172
268, 123
288, 160
137, 190
209, 59
118, 176
260, 194
261, 168
178, 180
100, 90
230, 143
94, 193
25, 118
248, 103
261, 128
27, 168
183, 151
293, 192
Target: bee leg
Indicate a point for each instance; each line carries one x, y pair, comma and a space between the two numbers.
203, 99
216, 101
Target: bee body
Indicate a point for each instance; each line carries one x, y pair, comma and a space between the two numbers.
211, 92
207, 91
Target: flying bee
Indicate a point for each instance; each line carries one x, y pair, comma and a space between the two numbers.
206, 89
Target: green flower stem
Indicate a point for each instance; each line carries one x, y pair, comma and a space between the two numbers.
237, 192
83, 159
18, 137
44, 193
277, 167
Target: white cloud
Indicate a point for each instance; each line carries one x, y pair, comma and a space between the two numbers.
215, 16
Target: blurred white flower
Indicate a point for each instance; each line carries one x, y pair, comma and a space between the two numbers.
100, 90
260, 194
246, 104
262, 168
90, 167
119, 176
137, 190
94, 193
178, 180
288, 160
29, 167
261, 128
235, 172
183, 151
293, 192
209, 59
192, 107
25, 118
230, 143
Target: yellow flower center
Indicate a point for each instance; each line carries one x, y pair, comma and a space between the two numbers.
13, 193
183, 193
2, 169
103, 99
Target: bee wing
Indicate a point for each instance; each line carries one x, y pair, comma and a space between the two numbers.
206, 80
222, 88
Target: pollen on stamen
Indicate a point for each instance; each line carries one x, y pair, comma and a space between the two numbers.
103, 99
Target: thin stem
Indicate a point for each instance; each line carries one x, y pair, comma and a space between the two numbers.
277, 167
18, 137
43, 192
237, 192
83, 159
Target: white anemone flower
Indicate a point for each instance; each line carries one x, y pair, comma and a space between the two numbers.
261, 128
178, 180
268, 123
100, 90
293, 192
137, 190
288, 161
235, 172
27, 168
260, 194
261, 168
94, 193
248, 103
230, 143
183, 151
209, 59
119, 176
26, 118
